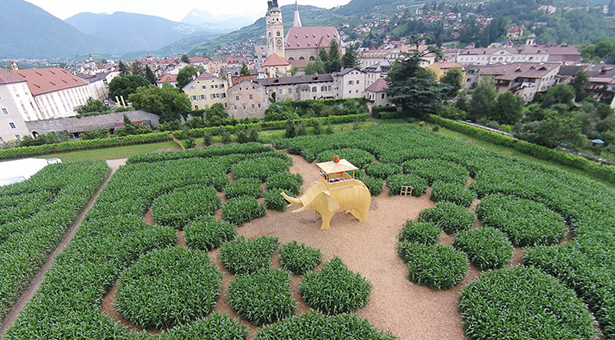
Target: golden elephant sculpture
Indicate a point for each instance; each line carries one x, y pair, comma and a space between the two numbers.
351, 196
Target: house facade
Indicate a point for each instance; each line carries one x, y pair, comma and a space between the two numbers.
205, 91
376, 93
349, 83
247, 99
319, 86
522, 79
16, 105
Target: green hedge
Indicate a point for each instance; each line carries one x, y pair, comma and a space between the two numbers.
434, 266
448, 216
384, 112
605, 172
29, 151
299, 258
208, 233
487, 248
420, 232
243, 255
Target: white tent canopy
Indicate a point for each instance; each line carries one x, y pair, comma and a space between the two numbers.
20, 170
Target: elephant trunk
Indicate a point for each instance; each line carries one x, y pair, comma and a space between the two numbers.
292, 200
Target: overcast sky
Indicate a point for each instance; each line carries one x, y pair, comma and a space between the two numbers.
174, 10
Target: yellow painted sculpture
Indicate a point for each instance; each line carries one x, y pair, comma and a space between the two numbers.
335, 191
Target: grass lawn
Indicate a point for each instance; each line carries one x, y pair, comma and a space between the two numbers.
111, 153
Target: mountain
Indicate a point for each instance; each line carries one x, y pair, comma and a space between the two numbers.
30, 32
216, 23
129, 32
358, 7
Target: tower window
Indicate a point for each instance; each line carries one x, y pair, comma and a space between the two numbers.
278, 33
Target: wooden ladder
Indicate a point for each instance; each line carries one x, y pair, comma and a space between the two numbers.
406, 190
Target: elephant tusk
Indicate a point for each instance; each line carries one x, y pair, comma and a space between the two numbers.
292, 200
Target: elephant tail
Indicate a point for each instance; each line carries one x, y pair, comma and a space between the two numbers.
292, 200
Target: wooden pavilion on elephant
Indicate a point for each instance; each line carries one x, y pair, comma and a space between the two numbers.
336, 190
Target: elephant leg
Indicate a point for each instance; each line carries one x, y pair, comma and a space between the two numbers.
326, 219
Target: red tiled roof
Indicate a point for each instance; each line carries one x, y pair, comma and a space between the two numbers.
7, 77
311, 37
171, 78
198, 60
45, 80
206, 75
275, 60
298, 63
379, 86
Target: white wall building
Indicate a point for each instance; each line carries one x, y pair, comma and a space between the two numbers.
349, 83
16, 106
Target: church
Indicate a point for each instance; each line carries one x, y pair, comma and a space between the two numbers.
301, 44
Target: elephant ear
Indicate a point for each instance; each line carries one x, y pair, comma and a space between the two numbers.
332, 203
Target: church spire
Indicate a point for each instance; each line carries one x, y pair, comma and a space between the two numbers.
297, 21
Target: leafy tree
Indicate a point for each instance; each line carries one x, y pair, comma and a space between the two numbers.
149, 75
482, 100
558, 94
294, 70
507, 109
316, 66
137, 69
452, 81
126, 85
124, 69
351, 58
186, 75
413, 87
92, 105
215, 114
462, 102
244, 70
167, 102
579, 83
556, 129
291, 129
185, 58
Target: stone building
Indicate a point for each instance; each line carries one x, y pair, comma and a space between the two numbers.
205, 91
247, 99
318, 86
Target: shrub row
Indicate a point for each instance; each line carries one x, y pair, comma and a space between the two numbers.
605, 172
452, 192
419, 184
298, 258
335, 289
536, 305
434, 266
486, 247
207, 233
183, 205
261, 168
437, 170
29, 151
450, 217
274, 200
168, 287
242, 210
357, 157
525, 222
373, 184
243, 255
289, 183
215, 150
262, 297
244, 187
62, 192
383, 170
420, 232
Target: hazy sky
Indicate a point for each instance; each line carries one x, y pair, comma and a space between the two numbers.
174, 10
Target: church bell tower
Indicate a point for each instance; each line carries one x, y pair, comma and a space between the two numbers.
275, 29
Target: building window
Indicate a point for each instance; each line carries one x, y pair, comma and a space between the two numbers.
196, 107
244, 106
314, 89
235, 107
350, 82
204, 87
18, 137
193, 98
251, 97
252, 106
12, 125
237, 98
357, 82
259, 106
192, 87
1, 139
5, 111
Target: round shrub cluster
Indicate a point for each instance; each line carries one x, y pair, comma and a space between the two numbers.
262, 297
274, 200
437, 170
335, 289
373, 184
536, 305
215, 326
261, 168
359, 158
243, 255
289, 183
420, 232
299, 258
452, 192
448, 216
526, 222
207, 233
241, 210
169, 287
395, 183
183, 205
315, 326
434, 266
244, 187
383, 170
486, 247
